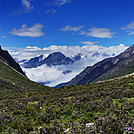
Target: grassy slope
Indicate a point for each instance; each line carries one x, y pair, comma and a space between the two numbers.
25, 105
13, 82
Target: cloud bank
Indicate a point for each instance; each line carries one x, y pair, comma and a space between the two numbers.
93, 54
34, 31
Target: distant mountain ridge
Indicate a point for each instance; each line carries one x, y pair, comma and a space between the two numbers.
56, 58
7, 58
78, 56
106, 68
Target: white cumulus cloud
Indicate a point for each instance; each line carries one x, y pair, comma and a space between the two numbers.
34, 31
34, 48
71, 28
25, 53
98, 32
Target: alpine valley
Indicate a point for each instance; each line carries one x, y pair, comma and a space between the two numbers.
65, 62
66, 67
105, 107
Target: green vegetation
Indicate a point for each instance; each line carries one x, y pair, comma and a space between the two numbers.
27, 107
14, 84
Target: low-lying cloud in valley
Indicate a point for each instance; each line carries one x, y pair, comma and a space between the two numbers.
53, 75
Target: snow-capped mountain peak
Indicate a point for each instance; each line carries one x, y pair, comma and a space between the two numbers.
78, 56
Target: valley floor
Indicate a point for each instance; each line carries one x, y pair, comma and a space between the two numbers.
108, 106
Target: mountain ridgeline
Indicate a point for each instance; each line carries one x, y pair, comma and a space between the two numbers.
54, 59
7, 58
106, 69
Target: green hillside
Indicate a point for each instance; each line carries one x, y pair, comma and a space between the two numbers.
27, 107
13, 83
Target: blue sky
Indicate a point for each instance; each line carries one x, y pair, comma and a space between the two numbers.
44, 23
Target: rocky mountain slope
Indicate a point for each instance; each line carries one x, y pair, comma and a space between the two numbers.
7, 58
106, 68
56, 58
14, 83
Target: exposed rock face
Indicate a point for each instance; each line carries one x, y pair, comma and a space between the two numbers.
92, 72
106, 67
67, 71
79, 56
34, 62
7, 58
54, 59
57, 58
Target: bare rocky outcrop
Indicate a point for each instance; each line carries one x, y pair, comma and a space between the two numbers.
7, 58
